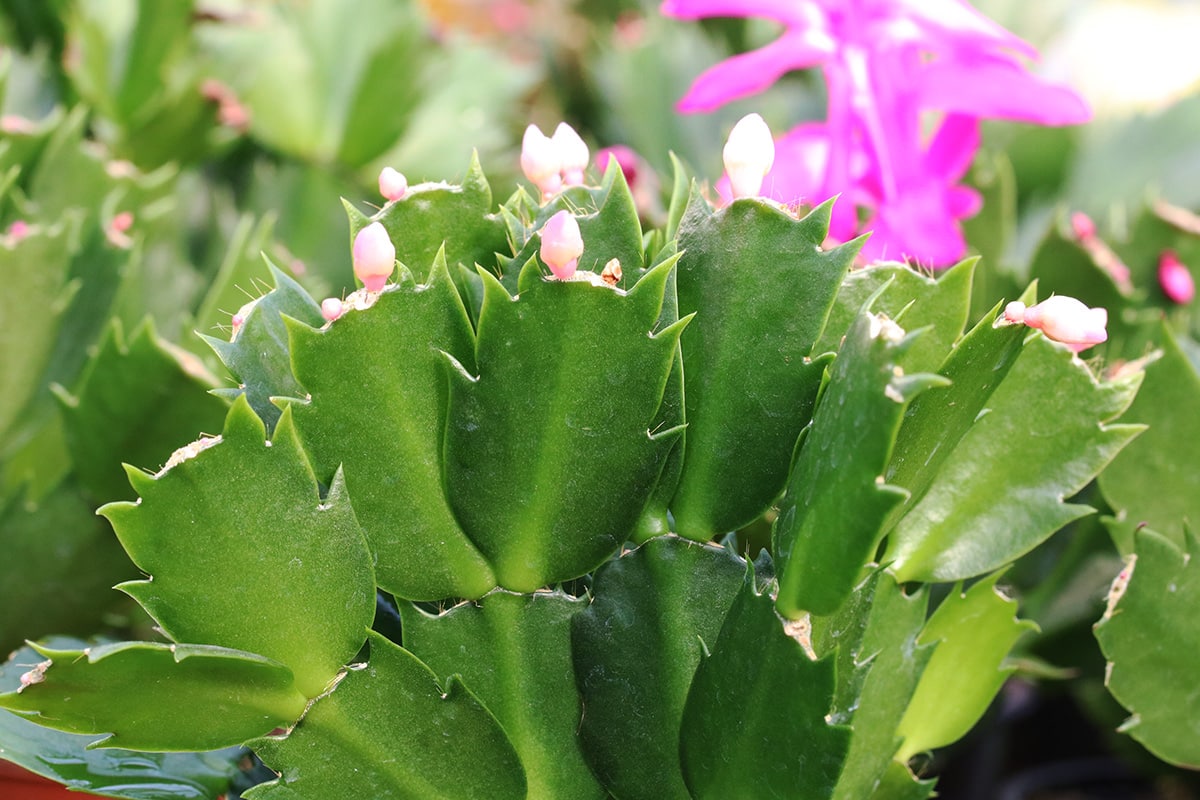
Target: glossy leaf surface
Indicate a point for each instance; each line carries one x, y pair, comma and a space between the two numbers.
1151, 638
1046, 433
550, 456
755, 720
654, 611
160, 697
377, 387
243, 552
830, 521
514, 651
389, 731
761, 288
973, 632
258, 356
109, 771
874, 636
137, 399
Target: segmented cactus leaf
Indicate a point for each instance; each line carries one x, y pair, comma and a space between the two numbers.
938, 308
389, 731
109, 771
761, 289
159, 697
243, 551
514, 651
755, 720
259, 356
831, 517
136, 400
1156, 479
879, 662
974, 632
653, 613
1046, 433
1150, 635
550, 455
377, 387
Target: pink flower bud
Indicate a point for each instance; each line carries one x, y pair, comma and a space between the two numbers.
540, 160
239, 317
392, 184
749, 154
1175, 279
1083, 226
572, 152
374, 256
1065, 319
562, 245
331, 308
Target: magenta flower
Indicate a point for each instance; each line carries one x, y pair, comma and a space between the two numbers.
886, 62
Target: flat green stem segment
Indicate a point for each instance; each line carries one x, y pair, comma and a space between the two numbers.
755, 721
160, 697
377, 384
1151, 636
1000, 492
388, 731
874, 636
258, 355
244, 553
973, 631
761, 288
514, 651
136, 399
69, 759
1156, 479
937, 422
31, 314
898, 783
938, 308
830, 521
550, 458
655, 610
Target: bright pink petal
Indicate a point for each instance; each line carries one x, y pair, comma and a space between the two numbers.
953, 147
753, 72
958, 21
992, 87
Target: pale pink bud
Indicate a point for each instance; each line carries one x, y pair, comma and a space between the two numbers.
540, 160
331, 308
1015, 312
392, 184
572, 152
1082, 226
562, 245
122, 222
374, 256
1175, 279
749, 154
1065, 319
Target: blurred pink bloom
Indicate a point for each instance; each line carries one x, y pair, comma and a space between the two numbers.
1174, 279
885, 63
626, 157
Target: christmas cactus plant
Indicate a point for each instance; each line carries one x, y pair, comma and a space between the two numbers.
555, 506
